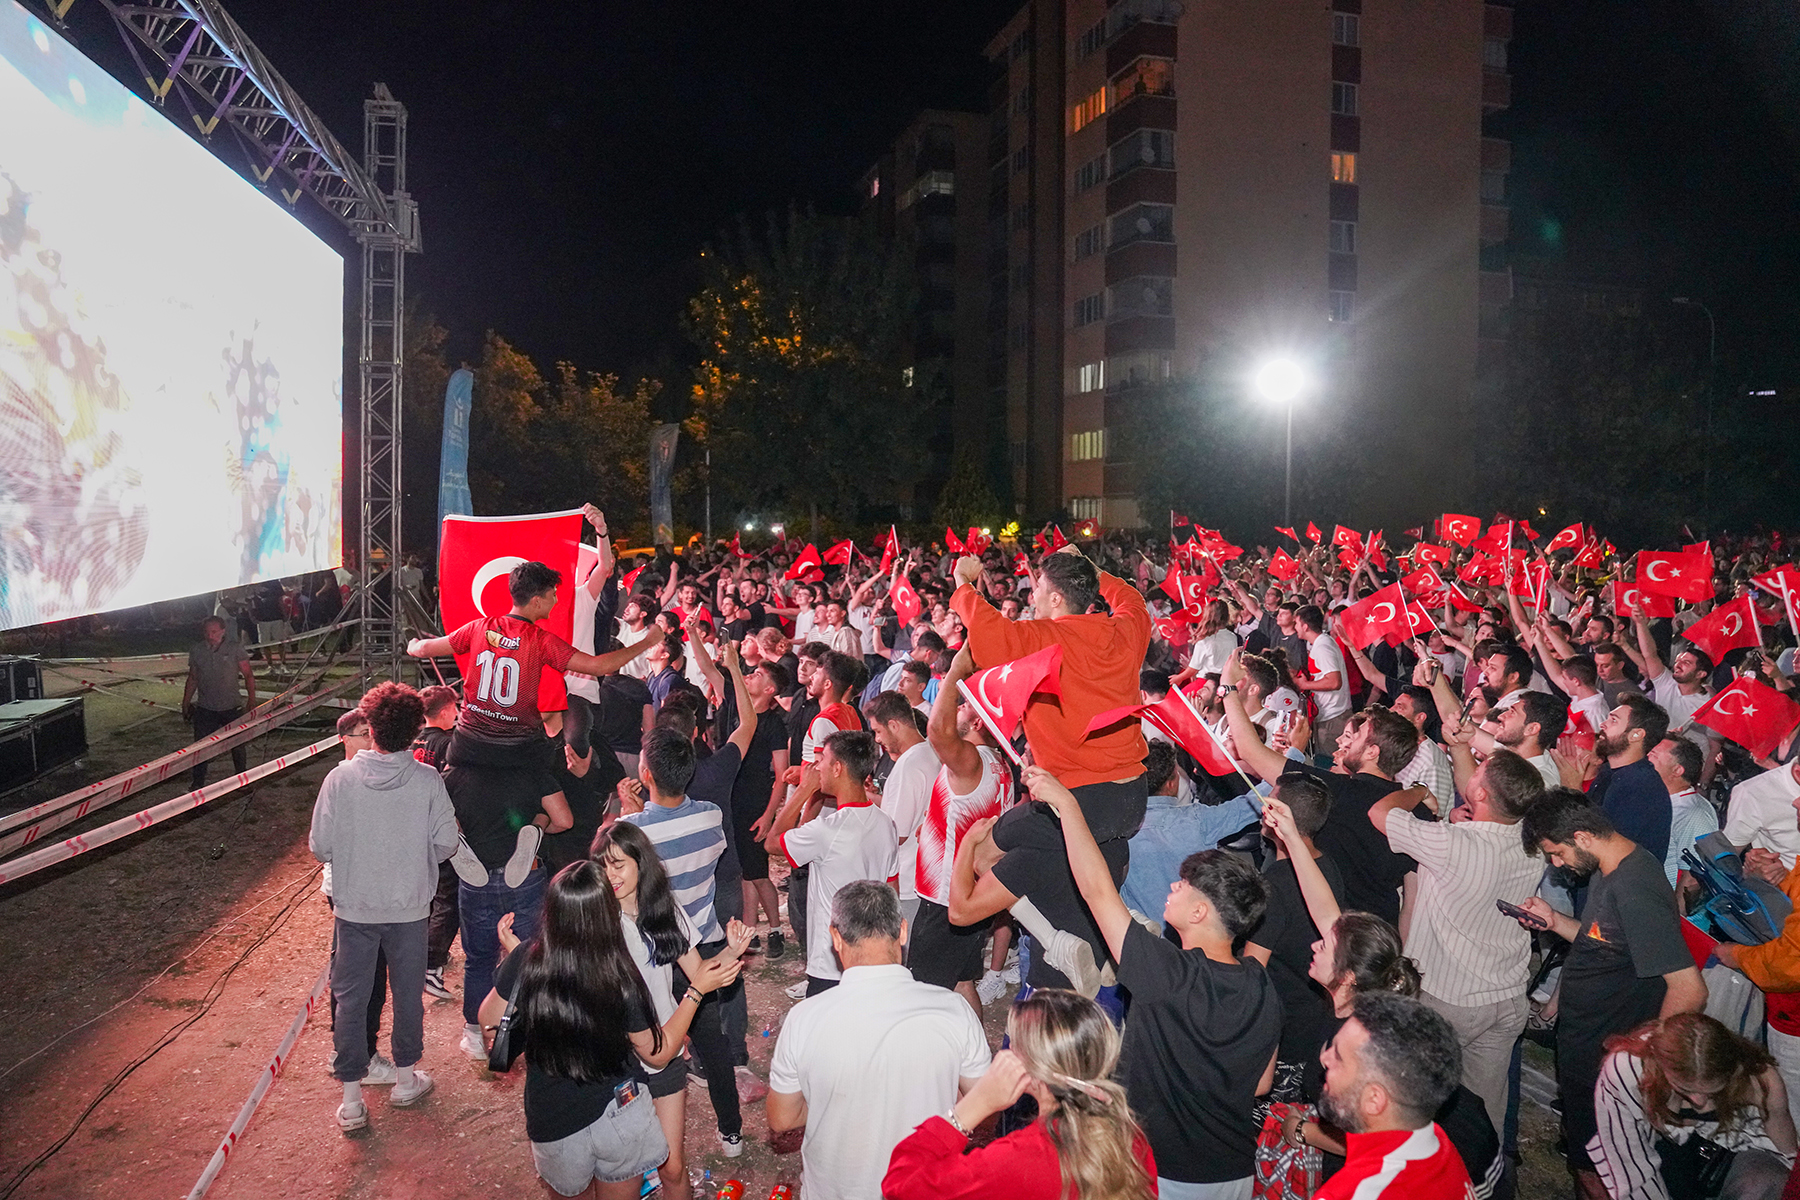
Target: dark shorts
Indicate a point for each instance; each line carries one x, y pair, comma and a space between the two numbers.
671, 1080
815, 985
941, 953
751, 856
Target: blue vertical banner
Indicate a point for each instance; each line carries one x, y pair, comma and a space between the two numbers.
662, 469
453, 462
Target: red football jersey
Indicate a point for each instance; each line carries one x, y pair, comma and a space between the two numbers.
503, 659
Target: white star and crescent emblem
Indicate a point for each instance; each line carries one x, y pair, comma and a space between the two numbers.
490, 570
1650, 570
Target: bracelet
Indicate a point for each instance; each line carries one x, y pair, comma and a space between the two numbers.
694, 994
956, 1124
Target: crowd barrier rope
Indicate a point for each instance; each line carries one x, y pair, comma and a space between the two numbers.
182, 654
156, 814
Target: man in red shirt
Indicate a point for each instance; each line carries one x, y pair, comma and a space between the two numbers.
1390, 1067
1102, 655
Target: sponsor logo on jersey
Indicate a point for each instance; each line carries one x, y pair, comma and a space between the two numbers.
501, 642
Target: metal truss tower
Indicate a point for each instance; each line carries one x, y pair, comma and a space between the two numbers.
195, 51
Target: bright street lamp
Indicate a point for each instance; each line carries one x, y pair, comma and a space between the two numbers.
1281, 381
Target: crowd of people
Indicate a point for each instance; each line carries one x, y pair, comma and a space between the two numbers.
1288, 945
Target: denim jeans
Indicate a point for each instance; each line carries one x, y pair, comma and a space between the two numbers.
353, 980
480, 910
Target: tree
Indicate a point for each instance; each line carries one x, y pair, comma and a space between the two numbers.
967, 498
800, 394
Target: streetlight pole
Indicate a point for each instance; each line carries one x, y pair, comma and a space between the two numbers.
1287, 499
1712, 372
1280, 381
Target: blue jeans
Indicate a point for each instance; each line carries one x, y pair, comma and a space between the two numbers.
480, 910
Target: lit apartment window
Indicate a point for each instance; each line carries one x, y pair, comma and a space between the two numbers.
1343, 99
1145, 77
1344, 29
1084, 508
1138, 368
1145, 148
1343, 167
1090, 377
1087, 111
1493, 54
1089, 309
906, 376
1090, 173
1343, 237
1342, 305
1086, 447
932, 183
1091, 41
1088, 242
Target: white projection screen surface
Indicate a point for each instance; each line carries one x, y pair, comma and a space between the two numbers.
171, 354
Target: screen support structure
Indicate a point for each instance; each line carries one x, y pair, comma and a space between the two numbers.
193, 50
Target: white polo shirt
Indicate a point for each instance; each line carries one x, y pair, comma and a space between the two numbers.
873, 1057
904, 798
842, 846
1761, 814
1323, 658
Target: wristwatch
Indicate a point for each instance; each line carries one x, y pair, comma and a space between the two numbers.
956, 1124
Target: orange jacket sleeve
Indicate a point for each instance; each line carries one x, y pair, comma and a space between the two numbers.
1775, 966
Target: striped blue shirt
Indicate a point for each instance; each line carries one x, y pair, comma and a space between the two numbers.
689, 839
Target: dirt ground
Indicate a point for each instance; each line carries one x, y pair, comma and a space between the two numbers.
145, 985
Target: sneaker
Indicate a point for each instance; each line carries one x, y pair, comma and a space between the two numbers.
405, 1097
796, 992
755, 946
1074, 958
473, 1044
523, 856
750, 1089
732, 1144
381, 1071
352, 1117
991, 987
1011, 974
434, 985
777, 945
467, 866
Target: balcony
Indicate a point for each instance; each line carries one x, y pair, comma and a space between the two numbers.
1145, 112
1142, 257
1140, 333
1496, 91
1141, 186
1145, 37
1495, 222
1346, 64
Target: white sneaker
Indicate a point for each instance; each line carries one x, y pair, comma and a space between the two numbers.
352, 1117
732, 1144
797, 991
1074, 958
991, 987
381, 1070
523, 856
473, 1044
404, 1097
467, 865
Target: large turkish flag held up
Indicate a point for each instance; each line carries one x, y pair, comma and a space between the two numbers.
1751, 714
1001, 694
1725, 629
1685, 575
1379, 617
475, 556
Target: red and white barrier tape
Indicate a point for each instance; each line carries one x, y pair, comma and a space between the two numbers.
182, 654
156, 814
72, 806
108, 689
270, 1073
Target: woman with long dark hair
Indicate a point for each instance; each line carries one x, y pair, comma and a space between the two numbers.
659, 937
1085, 1144
585, 1020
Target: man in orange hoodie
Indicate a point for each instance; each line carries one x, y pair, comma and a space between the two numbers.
1102, 655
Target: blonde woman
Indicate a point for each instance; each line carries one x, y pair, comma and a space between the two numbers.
1085, 1144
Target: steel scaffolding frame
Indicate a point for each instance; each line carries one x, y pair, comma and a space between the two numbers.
195, 51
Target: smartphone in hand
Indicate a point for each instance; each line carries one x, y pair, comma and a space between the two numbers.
1521, 915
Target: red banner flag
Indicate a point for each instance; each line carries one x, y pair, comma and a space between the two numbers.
1626, 596
1568, 538
1423, 582
1428, 552
1785, 583
1455, 527
1283, 566
1176, 519
1312, 531
906, 601
737, 545
976, 541
806, 564
1380, 617
1531, 535
1057, 540
1753, 715
1726, 628
1349, 539
839, 554
953, 543
1419, 619
629, 579
1687, 576
475, 556
1000, 694
1289, 532
1177, 719
890, 549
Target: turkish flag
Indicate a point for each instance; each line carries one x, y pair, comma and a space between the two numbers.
1415, 533
1380, 617
839, 555
1459, 600
1089, 528
1496, 539
737, 544
1455, 527
1531, 535
1057, 540
475, 556
1000, 694
1752, 714
1627, 595
808, 562
1349, 539
906, 601
629, 579
1172, 631
1372, 552
1021, 565
1176, 519
1283, 566
1577, 730
1783, 582
953, 543
1289, 532
890, 547
1189, 591
1726, 628
976, 541
1419, 619
1423, 582
1568, 537
1312, 531
1427, 552
1688, 576
1590, 557
1177, 719
1217, 547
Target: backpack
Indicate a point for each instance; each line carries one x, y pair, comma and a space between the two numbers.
1736, 908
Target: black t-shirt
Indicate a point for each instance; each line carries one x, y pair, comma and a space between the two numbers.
712, 783
587, 796
1288, 933
619, 717
1372, 872
557, 1107
1200, 1036
736, 629
266, 603
493, 802
1629, 938
756, 777
432, 747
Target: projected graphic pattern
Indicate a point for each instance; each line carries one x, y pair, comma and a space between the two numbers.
170, 355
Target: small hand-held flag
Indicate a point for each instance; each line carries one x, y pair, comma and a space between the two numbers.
1000, 694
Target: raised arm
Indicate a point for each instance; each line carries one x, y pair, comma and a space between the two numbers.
746, 709
709, 670
1266, 761
603, 568
437, 647
1648, 660
1321, 905
1092, 876
961, 756
610, 662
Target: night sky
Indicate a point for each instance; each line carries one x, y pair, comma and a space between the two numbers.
570, 159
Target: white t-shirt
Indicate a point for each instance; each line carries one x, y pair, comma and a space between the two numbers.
855, 842
1322, 659
1547, 768
637, 668
1681, 709
904, 798
1593, 708
1212, 652
1761, 814
874, 1057
587, 559
805, 621
862, 618
659, 981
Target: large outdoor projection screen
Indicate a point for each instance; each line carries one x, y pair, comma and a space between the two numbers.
171, 354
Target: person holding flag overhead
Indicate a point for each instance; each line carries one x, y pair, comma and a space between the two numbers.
1101, 657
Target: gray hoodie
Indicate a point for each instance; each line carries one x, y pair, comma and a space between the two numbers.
383, 822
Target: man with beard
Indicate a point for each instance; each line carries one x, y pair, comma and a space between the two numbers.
1390, 1067
1680, 688
1626, 786
1627, 962
1613, 682
1505, 675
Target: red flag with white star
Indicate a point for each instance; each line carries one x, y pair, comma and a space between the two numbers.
1376, 618
1684, 575
1752, 714
1728, 627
